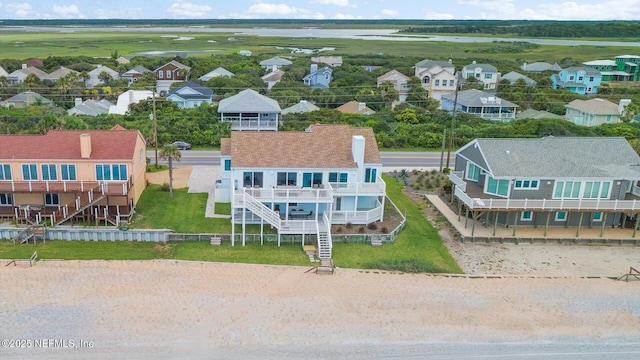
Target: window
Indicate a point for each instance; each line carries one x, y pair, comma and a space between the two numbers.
437, 82
567, 189
526, 216
287, 178
309, 179
335, 177
160, 74
227, 164
470, 74
591, 78
68, 172
497, 187
49, 172
526, 184
111, 172
426, 80
326, 76
488, 76
6, 199
369, 175
29, 172
597, 216
252, 178
580, 78
473, 171
561, 216
571, 78
596, 189
452, 82
51, 199
5, 172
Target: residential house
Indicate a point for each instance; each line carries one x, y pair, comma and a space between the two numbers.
249, 110
513, 76
190, 95
536, 114
318, 78
94, 76
552, 181
25, 99
35, 62
3, 72
481, 104
215, 73
594, 112
135, 73
123, 60
60, 73
354, 107
18, 76
608, 69
327, 60
399, 81
127, 98
302, 182
370, 68
90, 107
68, 175
274, 63
539, 67
245, 52
487, 74
578, 79
302, 107
272, 78
437, 77
630, 64
170, 73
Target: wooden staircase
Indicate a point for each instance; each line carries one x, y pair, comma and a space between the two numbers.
324, 239
263, 211
80, 204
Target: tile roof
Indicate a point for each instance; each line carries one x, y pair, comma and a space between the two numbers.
225, 146
191, 90
321, 146
61, 72
594, 106
513, 76
587, 70
275, 61
216, 72
28, 97
301, 107
248, 100
431, 63
65, 145
484, 67
91, 107
560, 157
394, 74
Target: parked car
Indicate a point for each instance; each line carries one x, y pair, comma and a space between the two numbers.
181, 145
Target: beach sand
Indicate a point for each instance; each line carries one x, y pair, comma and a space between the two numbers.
177, 309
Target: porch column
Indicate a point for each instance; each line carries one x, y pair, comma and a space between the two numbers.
473, 224
604, 221
459, 210
262, 226
546, 226
624, 220
244, 221
635, 227
495, 222
515, 222
233, 225
466, 217
566, 223
579, 224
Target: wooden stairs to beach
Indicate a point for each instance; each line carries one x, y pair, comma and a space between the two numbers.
633, 274
83, 202
32, 232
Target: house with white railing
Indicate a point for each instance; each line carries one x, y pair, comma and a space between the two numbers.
551, 181
302, 182
480, 104
68, 175
250, 110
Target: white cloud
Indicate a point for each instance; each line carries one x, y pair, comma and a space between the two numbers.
22, 10
188, 10
438, 16
491, 9
271, 9
67, 12
389, 12
570, 10
340, 16
120, 13
331, 2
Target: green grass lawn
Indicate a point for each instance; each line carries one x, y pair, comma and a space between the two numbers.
418, 243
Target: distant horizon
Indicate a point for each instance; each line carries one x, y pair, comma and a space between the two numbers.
585, 10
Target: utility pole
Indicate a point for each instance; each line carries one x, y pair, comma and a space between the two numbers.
155, 123
453, 118
444, 139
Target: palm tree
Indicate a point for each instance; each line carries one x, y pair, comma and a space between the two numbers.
105, 77
170, 153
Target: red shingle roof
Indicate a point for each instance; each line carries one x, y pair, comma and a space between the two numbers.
65, 145
324, 146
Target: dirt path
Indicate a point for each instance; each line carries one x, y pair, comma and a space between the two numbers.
181, 176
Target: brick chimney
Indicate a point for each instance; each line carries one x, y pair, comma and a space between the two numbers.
85, 146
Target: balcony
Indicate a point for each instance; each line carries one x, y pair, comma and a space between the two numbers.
377, 188
287, 194
242, 124
109, 188
358, 216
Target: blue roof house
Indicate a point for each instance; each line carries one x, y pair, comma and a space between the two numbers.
190, 95
318, 78
581, 80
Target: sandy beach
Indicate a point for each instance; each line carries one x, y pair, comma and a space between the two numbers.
176, 309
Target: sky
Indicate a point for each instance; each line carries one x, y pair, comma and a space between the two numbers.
322, 9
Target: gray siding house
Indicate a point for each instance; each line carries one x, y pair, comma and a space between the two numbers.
318, 78
249, 110
551, 181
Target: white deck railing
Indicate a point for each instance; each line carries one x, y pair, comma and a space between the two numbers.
288, 194
357, 217
546, 204
456, 177
359, 188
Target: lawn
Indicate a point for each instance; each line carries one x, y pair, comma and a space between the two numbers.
418, 241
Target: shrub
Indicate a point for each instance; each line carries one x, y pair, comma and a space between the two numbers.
372, 226
339, 229
384, 230
415, 171
349, 225
164, 187
434, 171
404, 265
361, 230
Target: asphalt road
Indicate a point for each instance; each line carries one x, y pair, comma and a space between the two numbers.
401, 159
